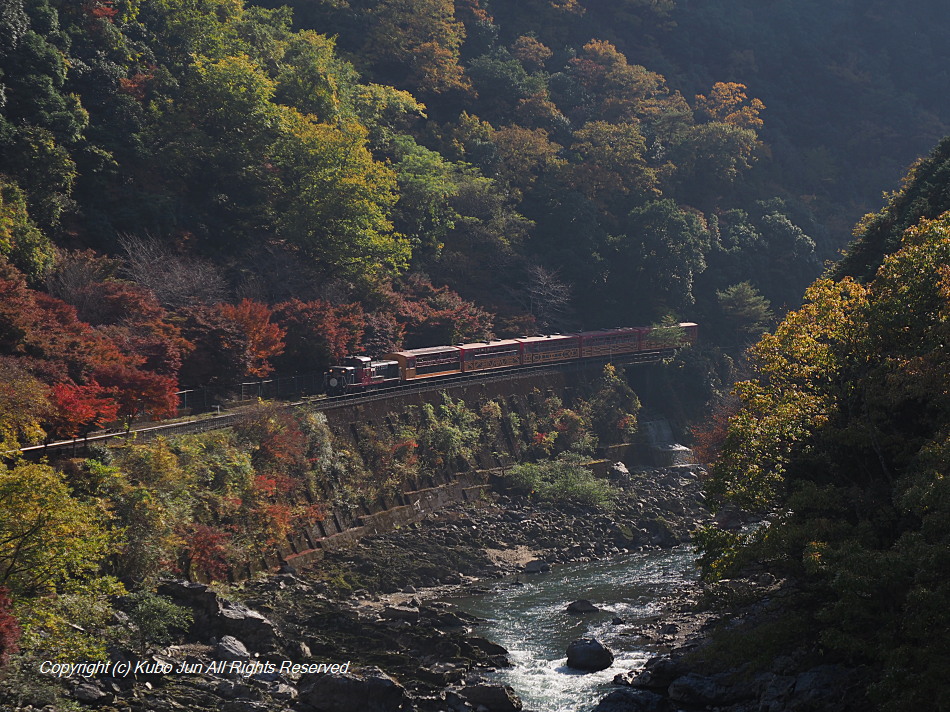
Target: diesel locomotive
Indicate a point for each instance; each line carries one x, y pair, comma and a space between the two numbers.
360, 373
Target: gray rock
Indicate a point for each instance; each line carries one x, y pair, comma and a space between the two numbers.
824, 686
627, 700
244, 706
658, 673
229, 689
250, 626
619, 473
729, 517
536, 566
401, 613
371, 691
776, 691
230, 648
582, 605
489, 648
495, 698
589, 654
695, 689
284, 691
214, 615
91, 694
448, 619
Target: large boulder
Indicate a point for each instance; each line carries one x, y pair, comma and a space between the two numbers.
250, 626
589, 654
729, 517
230, 648
582, 605
658, 673
619, 474
628, 700
496, 698
825, 686
91, 694
401, 613
693, 689
214, 615
371, 691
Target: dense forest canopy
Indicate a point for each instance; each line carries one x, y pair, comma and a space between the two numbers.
207, 190
196, 192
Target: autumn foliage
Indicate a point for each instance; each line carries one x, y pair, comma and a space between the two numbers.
79, 407
9, 628
121, 363
265, 339
709, 436
317, 334
206, 552
437, 315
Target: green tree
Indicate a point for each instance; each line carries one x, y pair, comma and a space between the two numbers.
314, 80
612, 407
21, 242
416, 43
845, 430
746, 312
426, 183
657, 260
449, 432
794, 398
23, 407
335, 199
611, 160
709, 158
154, 617
619, 92
501, 82
922, 195
47, 536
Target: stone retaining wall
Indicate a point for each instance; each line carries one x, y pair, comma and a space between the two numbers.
340, 529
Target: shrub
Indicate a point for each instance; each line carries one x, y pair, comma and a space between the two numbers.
154, 617
564, 480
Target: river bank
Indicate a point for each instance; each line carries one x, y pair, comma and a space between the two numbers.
377, 610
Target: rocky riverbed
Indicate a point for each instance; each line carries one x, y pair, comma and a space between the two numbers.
699, 674
364, 630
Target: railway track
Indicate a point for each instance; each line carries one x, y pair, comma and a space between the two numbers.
325, 403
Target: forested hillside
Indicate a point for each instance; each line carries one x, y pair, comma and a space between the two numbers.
196, 192
264, 188
843, 436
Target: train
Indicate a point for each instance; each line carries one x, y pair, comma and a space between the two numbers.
362, 373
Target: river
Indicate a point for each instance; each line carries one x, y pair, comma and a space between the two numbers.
530, 621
